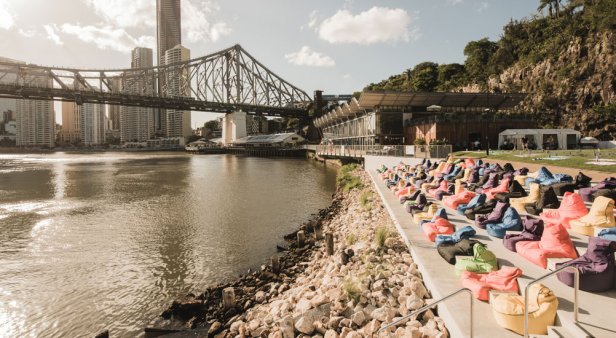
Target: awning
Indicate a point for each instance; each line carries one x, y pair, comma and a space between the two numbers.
385, 99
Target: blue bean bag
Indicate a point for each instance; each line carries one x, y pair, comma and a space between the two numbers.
475, 201
460, 234
609, 234
511, 221
440, 213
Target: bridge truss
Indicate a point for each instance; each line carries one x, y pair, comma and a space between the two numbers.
226, 81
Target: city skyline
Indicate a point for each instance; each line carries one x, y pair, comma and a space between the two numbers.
313, 49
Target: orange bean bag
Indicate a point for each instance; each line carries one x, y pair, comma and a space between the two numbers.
505, 279
440, 226
601, 214
464, 197
503, 186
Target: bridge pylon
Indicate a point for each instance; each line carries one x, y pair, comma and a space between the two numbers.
233, 127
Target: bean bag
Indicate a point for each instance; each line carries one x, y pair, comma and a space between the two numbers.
522, 178
581, 181
449, 250
609, 193
440, 226
478, 200
460, 234
483, 261
411, 196
547, 200
494, 217
483, 179
596, 267
503, 187
515, 190
402, 185
418, 204
508, 310
520, 172
485, 208
609, 234
469, 162
508, 167
440, 213
474, 177
533, 228
428, 185
554, 243
382, 169
543, 175
601, 214
586, 193
533, 197
492, 182
440, 194
571, 207
505, 279
511, 222
441, 166
442, 187
418, 216
452, 175
459, 187
452, 202
464, 178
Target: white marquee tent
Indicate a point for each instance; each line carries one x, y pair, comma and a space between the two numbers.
542, 138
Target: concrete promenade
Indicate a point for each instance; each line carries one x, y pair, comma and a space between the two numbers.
596, 311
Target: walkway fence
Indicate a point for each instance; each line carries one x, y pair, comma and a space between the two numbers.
428, 151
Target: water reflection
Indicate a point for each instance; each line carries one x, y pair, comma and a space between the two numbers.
106, 241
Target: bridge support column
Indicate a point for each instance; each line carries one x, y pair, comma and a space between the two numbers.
233, 127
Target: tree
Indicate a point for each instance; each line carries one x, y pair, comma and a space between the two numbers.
450, 76
478, 54
425, 77
211, 125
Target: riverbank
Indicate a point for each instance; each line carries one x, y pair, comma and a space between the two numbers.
369, 280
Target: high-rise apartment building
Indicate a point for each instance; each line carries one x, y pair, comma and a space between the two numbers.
70, 133
137, 123
177, 121
168, 35
92, 123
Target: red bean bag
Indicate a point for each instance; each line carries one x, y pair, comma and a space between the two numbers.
555, 243
464, 197
505, 279
503, 186
440, 226
571, 207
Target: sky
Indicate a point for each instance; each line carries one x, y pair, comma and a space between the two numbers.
335, 46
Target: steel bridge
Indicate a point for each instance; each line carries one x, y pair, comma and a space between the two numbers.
226, 81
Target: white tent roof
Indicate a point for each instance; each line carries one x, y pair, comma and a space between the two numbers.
268, 139
509, 132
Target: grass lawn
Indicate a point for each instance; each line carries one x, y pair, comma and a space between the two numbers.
562, 158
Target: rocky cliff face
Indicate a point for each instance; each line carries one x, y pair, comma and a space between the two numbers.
564, 90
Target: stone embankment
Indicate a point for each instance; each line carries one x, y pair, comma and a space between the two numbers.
368, 281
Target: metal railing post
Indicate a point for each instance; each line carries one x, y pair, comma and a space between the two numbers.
433, 304
576, 287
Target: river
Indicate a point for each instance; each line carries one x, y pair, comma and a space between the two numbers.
107, 240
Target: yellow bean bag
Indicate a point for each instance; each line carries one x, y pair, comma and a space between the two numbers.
601, 214
533, 197
419, 216
522, 178
508, 310
467, 174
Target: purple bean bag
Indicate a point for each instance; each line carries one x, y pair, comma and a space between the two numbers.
533, 228
420, 204
586, 193
596, 267
442, 193
494, 217
411, 197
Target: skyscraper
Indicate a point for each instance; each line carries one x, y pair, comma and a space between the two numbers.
168, 35
70, 132
92, 123
177, 121
137, 123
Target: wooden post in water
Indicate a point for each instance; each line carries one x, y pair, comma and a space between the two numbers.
275, 264
228, 298
301, 238
318, 233
104, 334
329, 242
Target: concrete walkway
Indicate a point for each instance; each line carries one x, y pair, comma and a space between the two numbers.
597, 316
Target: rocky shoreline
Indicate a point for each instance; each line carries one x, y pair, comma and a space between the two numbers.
370, 280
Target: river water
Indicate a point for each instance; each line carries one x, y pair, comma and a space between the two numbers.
107, 240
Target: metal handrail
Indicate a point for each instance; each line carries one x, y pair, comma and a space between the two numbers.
576, 287
431, 305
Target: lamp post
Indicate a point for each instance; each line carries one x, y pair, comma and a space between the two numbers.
487, 146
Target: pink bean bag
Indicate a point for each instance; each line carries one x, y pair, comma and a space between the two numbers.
555, 243
571, 207
440, 226
503, 187
464, 197
442, 187
505, 279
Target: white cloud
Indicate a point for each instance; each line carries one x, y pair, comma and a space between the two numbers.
108, 37
52, 34
454, 2
482, 6
312, 22
378, 24
197, 22
346, 76
28, 33
7, 20
126, 13
308, 57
